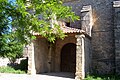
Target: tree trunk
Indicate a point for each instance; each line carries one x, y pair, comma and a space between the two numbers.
50, 56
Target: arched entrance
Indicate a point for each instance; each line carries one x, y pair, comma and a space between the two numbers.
68, 58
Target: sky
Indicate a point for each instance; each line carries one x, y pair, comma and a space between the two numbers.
11, 0
10, 28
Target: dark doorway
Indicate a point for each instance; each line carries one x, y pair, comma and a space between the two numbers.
68, 58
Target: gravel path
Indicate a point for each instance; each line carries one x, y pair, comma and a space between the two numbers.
48, 76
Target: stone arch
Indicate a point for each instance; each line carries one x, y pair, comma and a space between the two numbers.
59, 45
68, 58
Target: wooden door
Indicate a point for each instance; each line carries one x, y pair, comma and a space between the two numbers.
68, 58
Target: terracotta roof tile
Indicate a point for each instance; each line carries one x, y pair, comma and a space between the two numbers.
66, 29
70, 30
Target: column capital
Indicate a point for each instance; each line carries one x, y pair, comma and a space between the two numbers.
116, 4
80, 36
86, 8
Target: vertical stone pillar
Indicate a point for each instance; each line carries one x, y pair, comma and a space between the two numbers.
80, 57
116, 6
86, 19
31, 59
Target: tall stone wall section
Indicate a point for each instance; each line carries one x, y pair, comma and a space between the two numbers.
116, 6
41, 55
88, 55
102, 33
38, 56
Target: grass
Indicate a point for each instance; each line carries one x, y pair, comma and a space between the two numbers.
10, 70
103, 77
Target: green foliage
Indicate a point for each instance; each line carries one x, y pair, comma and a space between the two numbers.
10, 46
10, 70
27, 17
102, 77
93, 78
36, 16
20, 19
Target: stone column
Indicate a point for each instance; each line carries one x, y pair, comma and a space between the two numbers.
116, 6
31, 60
80, 60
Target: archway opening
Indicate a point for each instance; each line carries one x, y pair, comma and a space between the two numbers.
68, 58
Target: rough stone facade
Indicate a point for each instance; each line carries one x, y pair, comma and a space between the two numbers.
40, 61
97, 50
117, 35
102, 32
41, 55
83, 56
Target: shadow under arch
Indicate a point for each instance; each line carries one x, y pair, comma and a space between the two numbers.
68, 58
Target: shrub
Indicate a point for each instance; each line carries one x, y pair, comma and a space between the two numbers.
102, 77
10, 70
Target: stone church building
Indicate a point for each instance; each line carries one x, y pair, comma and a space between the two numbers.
92, 44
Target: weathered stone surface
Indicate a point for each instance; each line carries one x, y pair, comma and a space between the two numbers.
86, 19
80, 74
31, 59
102, 32
41, 55
105, 42
83, 56
117, 34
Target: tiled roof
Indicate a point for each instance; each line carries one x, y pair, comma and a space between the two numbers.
70, 30
67, 30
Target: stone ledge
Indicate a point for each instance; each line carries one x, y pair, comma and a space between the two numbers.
116, 3
86, 8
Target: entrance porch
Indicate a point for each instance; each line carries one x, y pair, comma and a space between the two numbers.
70, 55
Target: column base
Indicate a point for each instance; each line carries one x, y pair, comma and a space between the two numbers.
77, 78
32, 72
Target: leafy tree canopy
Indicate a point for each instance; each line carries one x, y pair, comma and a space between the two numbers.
10, 46
19, 19
39, 16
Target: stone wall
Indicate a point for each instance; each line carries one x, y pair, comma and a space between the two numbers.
117, 35
88, 55
103, 56
102, 33
38, 56
41, 55
4, 62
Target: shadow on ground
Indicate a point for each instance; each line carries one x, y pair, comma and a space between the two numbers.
61, 74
